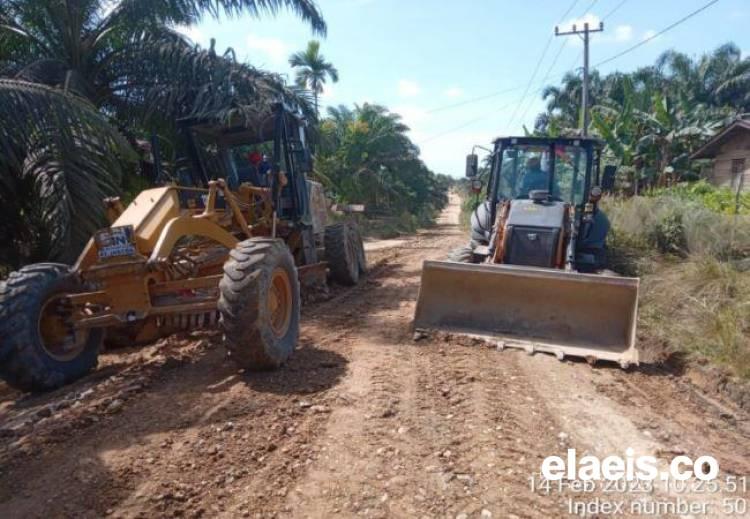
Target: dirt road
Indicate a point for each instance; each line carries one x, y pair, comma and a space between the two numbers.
363, 421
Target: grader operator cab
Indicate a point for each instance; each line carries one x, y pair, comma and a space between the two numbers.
532, 274
221, 248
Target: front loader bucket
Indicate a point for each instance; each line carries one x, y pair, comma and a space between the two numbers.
561, 312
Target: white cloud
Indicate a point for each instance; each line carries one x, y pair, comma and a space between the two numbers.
194, 34
411, 115
453, 92
275, 49
649, 34
590, 19
623, 33
448, 155
408, 88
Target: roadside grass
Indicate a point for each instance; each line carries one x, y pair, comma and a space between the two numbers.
693, 258
694, 266
386, 227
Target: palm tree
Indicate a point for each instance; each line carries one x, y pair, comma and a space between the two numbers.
367, 157
313, 69
654, 117
126, 59
95, 46
564, 103
54, 171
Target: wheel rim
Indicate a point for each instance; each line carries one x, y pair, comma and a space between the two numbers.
280, 302
59, 340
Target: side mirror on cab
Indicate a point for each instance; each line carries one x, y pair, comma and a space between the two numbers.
608, 178
472, 165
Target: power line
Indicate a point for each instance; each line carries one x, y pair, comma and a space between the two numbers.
519, 87
654, 36
614, 10
572, 6
498, 92
539, 63
555, 59
608, 60
474, 99
588, 9
464, 125
546, 77
531, 80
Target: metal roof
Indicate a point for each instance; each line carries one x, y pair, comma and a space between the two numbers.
711, 148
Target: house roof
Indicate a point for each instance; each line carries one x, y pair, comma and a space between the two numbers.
711, 148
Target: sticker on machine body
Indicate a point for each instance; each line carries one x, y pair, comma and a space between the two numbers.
115, 241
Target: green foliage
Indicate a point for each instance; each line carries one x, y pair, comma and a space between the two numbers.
85, 71
313, 70
692, 258
698, 308
669, 224
60, 158
366, 157
653, 118
668, 234
719, 199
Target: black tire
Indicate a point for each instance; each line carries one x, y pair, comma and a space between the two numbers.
342, 245
252, 336
463, 254
361, 256
26, 361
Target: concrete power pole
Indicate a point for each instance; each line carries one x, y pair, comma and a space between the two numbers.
584, 34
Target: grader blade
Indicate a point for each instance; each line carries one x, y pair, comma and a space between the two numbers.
560, 312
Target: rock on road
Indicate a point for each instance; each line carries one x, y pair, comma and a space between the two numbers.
362, 421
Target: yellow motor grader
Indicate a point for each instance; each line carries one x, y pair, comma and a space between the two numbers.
230, 244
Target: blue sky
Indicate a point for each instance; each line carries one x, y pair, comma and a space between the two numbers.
418, 57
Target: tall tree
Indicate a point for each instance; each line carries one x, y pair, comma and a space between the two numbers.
367, 157
123, 59
655, 116
313, 69
95, 47
58, 158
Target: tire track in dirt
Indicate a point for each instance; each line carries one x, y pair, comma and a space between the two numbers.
362, 421
431, 428
194, 437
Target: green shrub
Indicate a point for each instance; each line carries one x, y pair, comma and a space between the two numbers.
699, 307
718, 199
673, 225
668, 234
694, 297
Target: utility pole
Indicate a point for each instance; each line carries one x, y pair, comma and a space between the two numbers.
584, 34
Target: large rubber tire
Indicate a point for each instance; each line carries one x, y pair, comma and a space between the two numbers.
361, 256
342, 248
25, 363
253, 337
463, 254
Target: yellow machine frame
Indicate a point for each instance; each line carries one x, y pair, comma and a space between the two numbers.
128, 288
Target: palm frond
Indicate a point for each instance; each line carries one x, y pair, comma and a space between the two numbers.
71, 155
